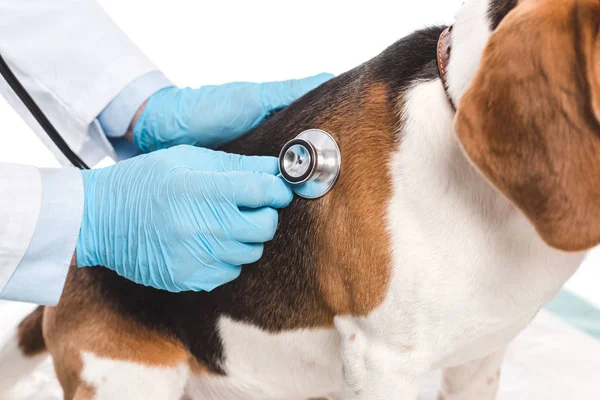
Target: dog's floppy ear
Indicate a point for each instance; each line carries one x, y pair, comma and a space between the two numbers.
530, 118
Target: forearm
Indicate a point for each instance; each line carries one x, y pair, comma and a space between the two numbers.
72, 74
44, 215
119, 116
94, 65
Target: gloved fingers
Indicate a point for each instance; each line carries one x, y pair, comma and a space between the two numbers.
236, 253
201, 159
253, 189
277, 95
207, 278
201, 268
255, 225
236, 162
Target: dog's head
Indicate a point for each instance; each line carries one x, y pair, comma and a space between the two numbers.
525, 75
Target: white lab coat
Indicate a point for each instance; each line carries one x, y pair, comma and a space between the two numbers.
73, 60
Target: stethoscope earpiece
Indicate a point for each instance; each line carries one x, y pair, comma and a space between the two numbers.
310, 163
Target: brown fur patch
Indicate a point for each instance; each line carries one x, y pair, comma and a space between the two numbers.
529, 120
29, 334
353, 249
78, 323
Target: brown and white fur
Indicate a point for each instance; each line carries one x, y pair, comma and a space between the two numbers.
428, 253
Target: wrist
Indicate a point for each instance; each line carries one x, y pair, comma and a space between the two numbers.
156, 123
134, 120
85, 254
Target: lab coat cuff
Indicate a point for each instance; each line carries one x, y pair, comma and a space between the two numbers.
117, 116
41, 274
20, 194
102, 90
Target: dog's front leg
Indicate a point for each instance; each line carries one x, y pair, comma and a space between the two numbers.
373, 369
476, 380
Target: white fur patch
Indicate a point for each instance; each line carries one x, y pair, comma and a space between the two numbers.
469, 37
293, 365
469, 271
477, 380
116, 379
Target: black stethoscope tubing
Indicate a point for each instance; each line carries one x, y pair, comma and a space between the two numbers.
39, 115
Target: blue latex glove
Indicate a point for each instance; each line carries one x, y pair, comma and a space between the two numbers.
213, 115
180, 219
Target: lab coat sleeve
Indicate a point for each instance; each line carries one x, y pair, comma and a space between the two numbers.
40, 216
73, 60
117, 116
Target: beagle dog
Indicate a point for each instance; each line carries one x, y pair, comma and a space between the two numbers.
468, 194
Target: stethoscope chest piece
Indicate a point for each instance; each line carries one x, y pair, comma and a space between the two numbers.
311, 163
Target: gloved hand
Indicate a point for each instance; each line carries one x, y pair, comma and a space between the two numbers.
180, 219
213, 115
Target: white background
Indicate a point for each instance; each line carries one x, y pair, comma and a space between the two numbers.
210, 42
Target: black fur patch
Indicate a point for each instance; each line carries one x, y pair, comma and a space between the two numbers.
29, 333
280, 290
500, 9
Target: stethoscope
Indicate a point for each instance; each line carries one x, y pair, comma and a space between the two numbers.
310, 163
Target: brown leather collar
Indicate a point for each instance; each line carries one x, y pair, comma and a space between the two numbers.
444, 50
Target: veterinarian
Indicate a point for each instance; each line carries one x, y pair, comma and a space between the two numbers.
177, 218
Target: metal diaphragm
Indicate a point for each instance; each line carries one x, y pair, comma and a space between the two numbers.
311, 163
